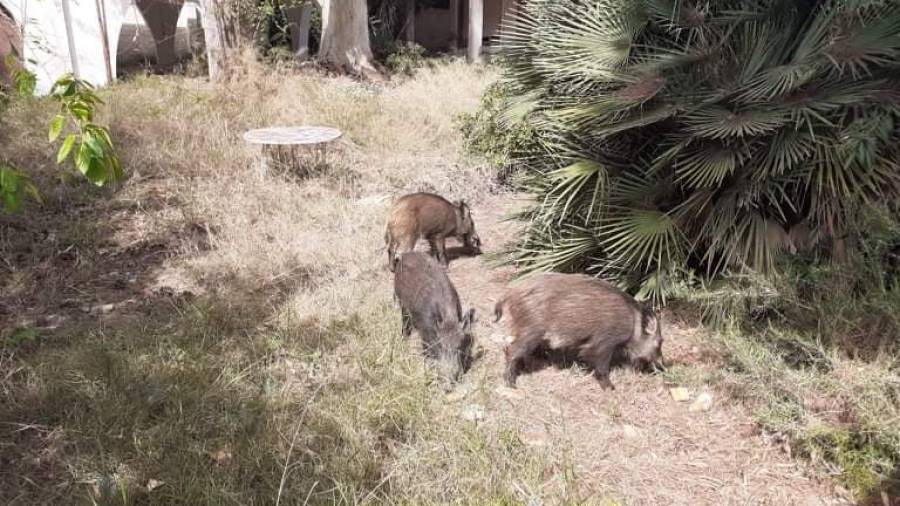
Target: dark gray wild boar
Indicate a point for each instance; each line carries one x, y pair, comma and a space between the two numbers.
581, 315
429, 303
433, 217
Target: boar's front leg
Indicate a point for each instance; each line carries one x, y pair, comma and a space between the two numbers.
437, 249
517, 352
406, 322
601, 360
441, 244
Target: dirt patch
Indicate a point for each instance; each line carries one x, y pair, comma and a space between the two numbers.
635, 444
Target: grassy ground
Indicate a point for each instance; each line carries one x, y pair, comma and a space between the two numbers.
200, 336
228, 337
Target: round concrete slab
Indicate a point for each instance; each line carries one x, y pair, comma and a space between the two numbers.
286, 136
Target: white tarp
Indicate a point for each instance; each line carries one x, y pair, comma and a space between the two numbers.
45, 43
46, 47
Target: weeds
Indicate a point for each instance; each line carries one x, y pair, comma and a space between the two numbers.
244, 349
815, 350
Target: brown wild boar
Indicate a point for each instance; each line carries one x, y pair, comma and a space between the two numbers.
429, 303
581, 315
433, 217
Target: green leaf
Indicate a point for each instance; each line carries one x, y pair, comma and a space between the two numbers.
25, 82
56, 127
97, 173
66, 148
83, 158
13, 184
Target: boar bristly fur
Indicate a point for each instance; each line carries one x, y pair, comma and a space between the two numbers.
430, 304
433, 217
579, 315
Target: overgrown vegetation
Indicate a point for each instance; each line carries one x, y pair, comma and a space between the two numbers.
698, 138
242, 349
740, 156
816, 349
94, 155
485, 133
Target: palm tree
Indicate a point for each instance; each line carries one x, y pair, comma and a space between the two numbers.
679, 136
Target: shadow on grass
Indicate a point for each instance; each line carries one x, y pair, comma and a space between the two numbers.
110, 387
188, 397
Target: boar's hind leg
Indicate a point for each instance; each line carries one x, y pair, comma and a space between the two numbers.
601, 360
517, 352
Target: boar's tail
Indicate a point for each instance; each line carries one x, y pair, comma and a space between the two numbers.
498, 310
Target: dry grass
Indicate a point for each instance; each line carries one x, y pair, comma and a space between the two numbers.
230, 337
235, 340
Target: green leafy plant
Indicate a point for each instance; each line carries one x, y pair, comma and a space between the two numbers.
13, 185
89, 145
679, 136
405, 58
487, 133
24, 81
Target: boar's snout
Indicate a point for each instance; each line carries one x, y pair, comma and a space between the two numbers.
458, 343
472, 242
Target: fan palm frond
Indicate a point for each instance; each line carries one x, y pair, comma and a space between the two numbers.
668, 129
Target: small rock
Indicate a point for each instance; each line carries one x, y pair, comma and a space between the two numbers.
630, 432
680, 394
99, 308
473, 413
702, 403
154, 484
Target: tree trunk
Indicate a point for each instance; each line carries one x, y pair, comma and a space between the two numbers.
345, 37
299, 18
214, 39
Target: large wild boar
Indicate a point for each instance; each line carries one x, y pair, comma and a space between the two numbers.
433, 217
429, 303
584, 317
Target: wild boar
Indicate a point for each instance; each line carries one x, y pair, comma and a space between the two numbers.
433, 217
584, 317
430, 304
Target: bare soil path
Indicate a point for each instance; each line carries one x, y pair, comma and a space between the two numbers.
634, 445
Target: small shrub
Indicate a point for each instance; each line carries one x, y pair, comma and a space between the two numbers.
490, 133
405, 58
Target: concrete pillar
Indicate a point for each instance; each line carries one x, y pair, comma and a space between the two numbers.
454, 24
161, 17
299, 18
476, 29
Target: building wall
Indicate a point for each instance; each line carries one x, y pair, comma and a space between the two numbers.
136, 44
433, 28
433, 25
10, 43
46, 43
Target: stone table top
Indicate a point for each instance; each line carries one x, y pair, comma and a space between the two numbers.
292, 135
